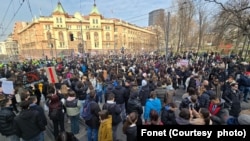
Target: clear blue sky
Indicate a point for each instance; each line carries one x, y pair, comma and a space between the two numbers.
133, 11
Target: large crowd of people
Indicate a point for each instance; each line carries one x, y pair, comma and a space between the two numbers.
105, 91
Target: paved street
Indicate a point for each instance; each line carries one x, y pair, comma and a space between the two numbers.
82, 136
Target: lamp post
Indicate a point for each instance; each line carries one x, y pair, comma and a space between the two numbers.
82, 41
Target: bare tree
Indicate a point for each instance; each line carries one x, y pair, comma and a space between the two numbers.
186, 12
233, 20
202, 19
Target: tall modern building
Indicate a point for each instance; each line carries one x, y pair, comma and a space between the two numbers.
61, 34
156, 16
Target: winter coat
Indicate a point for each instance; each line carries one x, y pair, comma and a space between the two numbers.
185, 103
29, 124
81, 93
168, 116
233, 99
114, 110
144, 94
131, 133
105, 130
7, 126
73, 106
204, 99
152, 104
119, 92
94, 121
41, 112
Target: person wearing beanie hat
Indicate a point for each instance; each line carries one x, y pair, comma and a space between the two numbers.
244, 117
233, 97
144, 92
134, 105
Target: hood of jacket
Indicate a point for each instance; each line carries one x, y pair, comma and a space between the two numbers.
154, 102
108, 121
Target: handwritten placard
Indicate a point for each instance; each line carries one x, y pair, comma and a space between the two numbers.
7, 87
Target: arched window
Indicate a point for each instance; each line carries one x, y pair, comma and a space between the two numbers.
61, 38
96, 36
108, 36
88, 36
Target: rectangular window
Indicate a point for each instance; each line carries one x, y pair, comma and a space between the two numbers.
61, 44
96, 44
96, 21
88, 37
107, 45
107, 27
69, 26
93, 21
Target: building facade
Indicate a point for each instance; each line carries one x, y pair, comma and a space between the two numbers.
155, 17
62, 34
8, 50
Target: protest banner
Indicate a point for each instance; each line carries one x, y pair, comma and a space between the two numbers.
51, 74
32, 76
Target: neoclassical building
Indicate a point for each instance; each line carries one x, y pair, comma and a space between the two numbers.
61, 34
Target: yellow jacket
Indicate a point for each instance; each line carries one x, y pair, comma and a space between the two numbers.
105, 130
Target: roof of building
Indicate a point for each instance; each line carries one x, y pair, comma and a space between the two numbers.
95, 10
59, 9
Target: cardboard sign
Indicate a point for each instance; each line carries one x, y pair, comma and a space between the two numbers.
51, 74
8, 87
32, 77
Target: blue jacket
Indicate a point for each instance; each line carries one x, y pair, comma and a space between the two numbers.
152, 104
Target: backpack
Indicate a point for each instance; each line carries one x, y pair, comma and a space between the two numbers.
86, 110
71, 104
111, 108
54, 114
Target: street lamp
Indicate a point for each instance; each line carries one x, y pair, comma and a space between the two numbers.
82, 41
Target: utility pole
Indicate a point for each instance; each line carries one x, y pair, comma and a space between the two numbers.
167, 35
82, 47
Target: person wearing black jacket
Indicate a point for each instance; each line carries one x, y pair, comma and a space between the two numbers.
129, 127
36, 107
115, 111
233, 99
7, 126
29, 124
93, 123
134, 105
119, 92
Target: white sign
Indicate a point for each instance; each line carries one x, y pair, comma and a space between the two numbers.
7, 87
183, 62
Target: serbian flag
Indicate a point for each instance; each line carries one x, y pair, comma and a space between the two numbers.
51, 74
